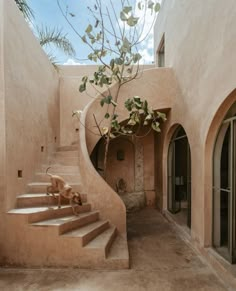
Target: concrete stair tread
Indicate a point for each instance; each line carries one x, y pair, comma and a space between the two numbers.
68, 148
31, 210
56, 168
57, 173
119, 249
102, 240
62, 220
69, 153
45, 166
80, 232
48, 183
33, 195
68, 177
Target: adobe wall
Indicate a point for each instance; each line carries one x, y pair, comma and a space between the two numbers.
199, 46
71, 99
31, 102
2, 117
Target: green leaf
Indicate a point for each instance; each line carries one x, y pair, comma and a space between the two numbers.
115, 116
115, 125
117, 43
112, 136
149, 117
127, 9
108, 99
105, 130
137, 57
161, 115
107, 115
138, 105
137, 99
131, 122
89, 29
90, 56
85, 79
114, 103
82, 88
128, 104
102, 102
84, 39
155, 126
112, 63
123, 17
137, 117
118, 61
126, 47
145, 106
132, 21
96, 24
150, 4
157, 7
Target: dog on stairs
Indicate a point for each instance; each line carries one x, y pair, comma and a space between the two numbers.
59, 185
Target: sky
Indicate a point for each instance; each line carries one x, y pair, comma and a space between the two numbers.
48, 13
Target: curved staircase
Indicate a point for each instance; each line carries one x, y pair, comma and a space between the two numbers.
52, 237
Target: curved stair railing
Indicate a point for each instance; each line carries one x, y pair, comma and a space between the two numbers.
100, 194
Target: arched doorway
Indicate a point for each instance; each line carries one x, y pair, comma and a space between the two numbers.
179, 177
224, 188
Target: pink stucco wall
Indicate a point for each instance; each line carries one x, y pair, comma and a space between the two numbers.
30, 101
199, 47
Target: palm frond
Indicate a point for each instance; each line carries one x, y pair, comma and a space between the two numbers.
55, 37
26, 10
53, 60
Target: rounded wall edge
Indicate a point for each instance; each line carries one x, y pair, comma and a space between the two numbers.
100, 194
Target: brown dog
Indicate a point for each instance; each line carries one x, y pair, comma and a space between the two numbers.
58, 185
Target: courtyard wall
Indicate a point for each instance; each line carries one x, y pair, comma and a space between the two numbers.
200, 44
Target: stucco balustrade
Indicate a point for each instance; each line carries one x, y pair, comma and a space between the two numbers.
159, 87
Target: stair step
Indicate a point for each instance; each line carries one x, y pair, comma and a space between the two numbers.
57, 168
69, 223
68, 148
66, 154
34, 200
88, 232
68, 177
67, 161
36, 214
41, 187
104, 240
118, 255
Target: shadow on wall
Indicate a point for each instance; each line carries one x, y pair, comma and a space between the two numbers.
120, 170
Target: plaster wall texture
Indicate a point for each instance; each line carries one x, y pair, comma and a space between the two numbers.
2, 116
71, 99
31, 102
200, 41
121, 169
154, 85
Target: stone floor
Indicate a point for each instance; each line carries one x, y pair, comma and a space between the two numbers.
160, 260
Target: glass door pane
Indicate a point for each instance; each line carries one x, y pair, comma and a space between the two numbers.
173, 203
189, 186
222, 212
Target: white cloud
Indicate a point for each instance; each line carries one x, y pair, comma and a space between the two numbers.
147, 56
72, 62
